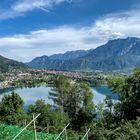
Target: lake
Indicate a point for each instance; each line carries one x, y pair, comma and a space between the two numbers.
30, 95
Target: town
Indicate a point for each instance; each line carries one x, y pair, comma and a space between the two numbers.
15, 75
7, 79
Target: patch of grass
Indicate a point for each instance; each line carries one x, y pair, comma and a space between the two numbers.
9, 132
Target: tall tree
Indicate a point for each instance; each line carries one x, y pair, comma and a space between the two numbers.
75, 100
11, 109
59, 93
84, 107
129, 91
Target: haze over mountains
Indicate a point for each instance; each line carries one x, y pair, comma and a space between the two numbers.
118, 54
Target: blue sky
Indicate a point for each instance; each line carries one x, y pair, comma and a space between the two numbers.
30, 28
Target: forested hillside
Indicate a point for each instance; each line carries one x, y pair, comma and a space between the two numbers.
8, 64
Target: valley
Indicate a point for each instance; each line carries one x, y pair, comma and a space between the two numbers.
69, 70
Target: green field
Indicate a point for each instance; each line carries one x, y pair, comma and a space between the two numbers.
9, 132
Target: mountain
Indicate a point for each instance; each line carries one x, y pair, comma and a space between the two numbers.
69, 55
116, 54
8, 64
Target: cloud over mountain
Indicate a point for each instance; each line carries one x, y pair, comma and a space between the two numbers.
62, 38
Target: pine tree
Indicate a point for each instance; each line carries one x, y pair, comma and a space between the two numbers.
11, 109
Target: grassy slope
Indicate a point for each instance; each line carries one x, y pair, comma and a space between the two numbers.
8, 64
9, 132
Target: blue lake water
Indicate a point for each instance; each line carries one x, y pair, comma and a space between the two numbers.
30, 95
101, 92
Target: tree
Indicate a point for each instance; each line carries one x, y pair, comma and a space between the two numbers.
49, 117
74, 100
88, 104
59, 93
125, 131
87, 108
44, 109
108, 113
11, 109
129, 91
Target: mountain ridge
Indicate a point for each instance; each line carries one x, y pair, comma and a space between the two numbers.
114, 55
69, 55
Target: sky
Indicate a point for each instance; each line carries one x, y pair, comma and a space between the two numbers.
32, 28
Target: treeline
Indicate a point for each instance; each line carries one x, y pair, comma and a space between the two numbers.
73, 102
92, 78
34, 81
30, 82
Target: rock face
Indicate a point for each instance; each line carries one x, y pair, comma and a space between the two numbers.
8, 64
69, 55
116, 54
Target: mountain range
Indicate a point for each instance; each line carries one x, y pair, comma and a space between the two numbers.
118, 54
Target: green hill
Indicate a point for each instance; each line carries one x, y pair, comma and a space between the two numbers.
9, 64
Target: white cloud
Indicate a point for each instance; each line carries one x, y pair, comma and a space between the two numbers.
36, 43
24, 47
120, 24
20, 7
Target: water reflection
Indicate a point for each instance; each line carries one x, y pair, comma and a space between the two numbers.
30, 95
